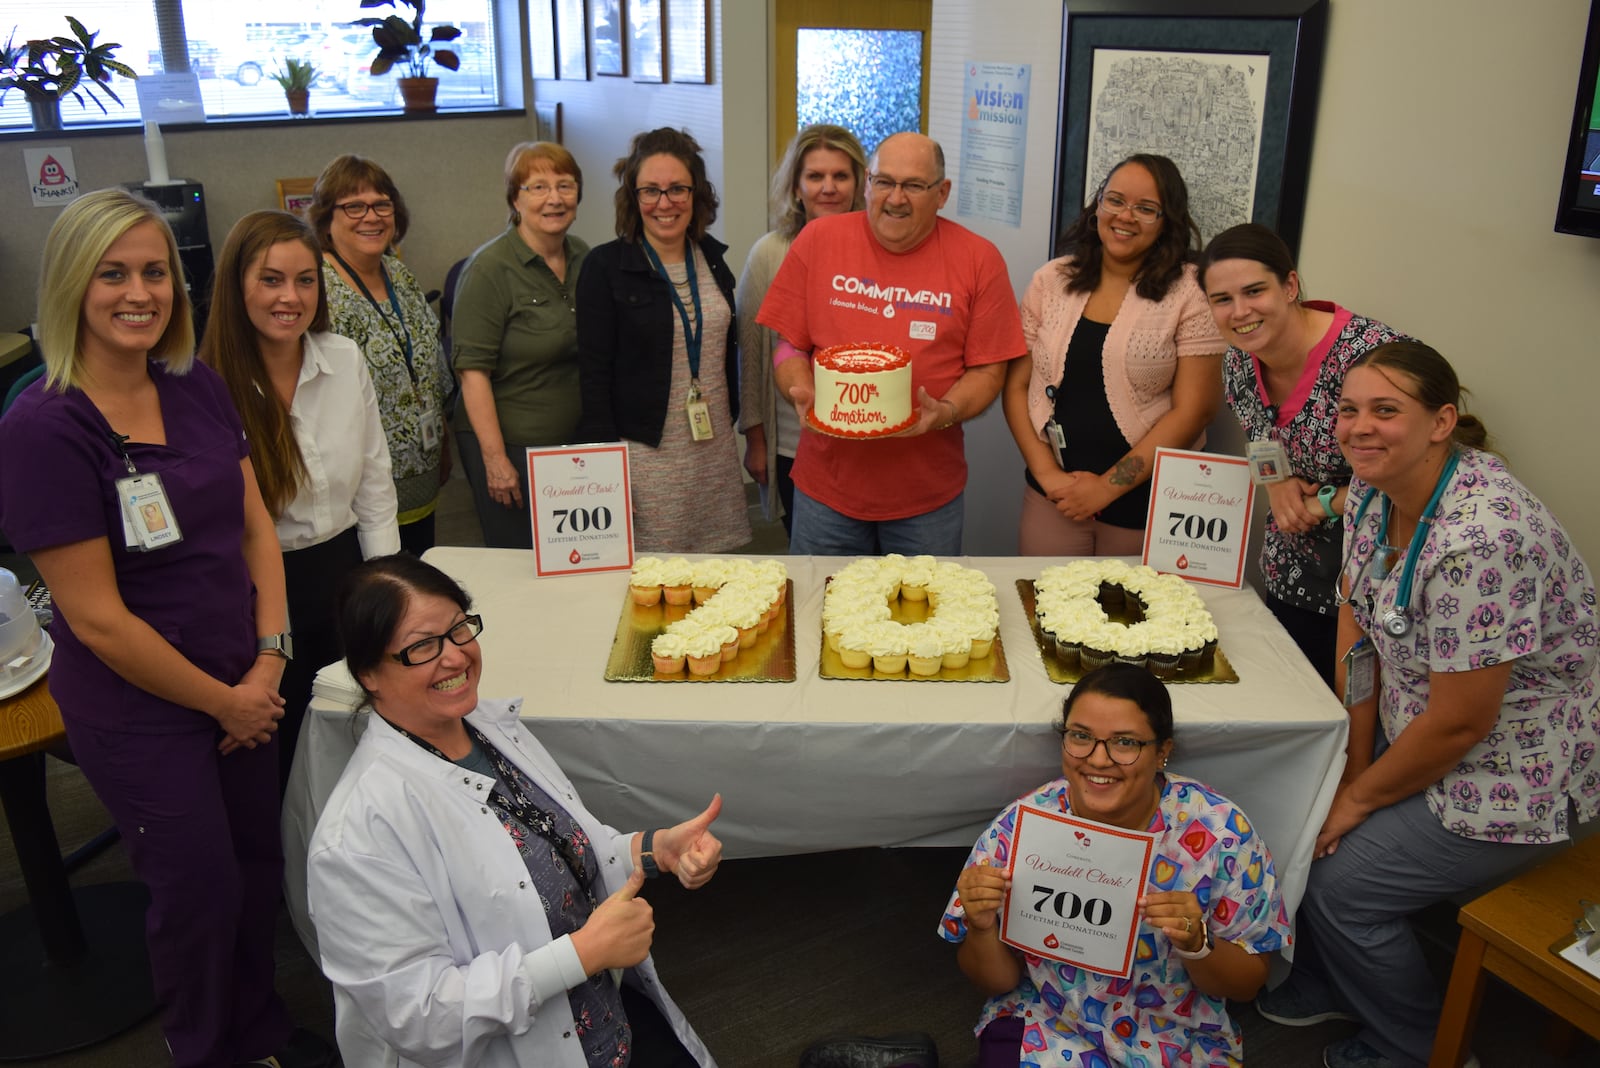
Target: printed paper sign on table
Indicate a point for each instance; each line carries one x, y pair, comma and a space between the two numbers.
579, 499
1075, 886
1199, 520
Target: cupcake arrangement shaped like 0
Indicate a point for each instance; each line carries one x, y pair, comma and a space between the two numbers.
897, 617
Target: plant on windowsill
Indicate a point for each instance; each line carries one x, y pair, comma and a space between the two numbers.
401, 43
296, 78
49, 68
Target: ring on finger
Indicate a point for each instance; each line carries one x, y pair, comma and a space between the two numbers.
1187, 925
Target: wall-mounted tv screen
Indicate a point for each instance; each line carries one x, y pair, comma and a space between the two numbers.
1579, 211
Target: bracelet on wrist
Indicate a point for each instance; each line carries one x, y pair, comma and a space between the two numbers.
1206, 946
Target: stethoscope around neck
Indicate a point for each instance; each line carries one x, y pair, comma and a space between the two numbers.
1396, 620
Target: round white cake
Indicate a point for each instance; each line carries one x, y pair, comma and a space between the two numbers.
862, 390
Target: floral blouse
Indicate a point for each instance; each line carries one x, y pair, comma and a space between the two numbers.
1154, 1017
1497, 580
1299, 569
407, 397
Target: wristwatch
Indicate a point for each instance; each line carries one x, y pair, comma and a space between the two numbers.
647, 855
276, 644
1201, 953
1325, 496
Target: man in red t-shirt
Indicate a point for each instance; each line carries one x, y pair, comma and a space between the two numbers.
896, 274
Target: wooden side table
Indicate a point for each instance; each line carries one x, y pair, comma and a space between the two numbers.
73, 965
1508, 932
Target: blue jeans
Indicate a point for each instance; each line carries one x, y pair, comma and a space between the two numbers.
821, 531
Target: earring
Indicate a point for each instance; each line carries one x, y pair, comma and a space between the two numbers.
516, 217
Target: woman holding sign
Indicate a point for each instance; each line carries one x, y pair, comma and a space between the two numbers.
1123, 359
1209, 915
657, 362
469, 909
1468, 630
1282, 372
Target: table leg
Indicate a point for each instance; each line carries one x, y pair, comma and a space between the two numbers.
1460, 1012
39, 857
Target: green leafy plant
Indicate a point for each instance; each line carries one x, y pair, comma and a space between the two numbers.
50, 68
401, 42
296, 75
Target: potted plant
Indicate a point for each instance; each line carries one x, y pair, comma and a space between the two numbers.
47, 69
296, 78
402, 43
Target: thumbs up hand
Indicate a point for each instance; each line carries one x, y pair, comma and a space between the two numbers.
618, 933
689, 850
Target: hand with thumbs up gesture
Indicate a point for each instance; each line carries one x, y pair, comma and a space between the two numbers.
619, 931
689, 850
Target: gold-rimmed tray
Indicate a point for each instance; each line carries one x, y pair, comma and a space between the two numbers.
992, 668
1219, 670
770, 659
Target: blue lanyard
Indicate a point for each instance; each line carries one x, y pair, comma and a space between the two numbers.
1419, 537
691, 333
403, 336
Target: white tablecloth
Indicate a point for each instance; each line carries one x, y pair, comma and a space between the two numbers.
822, 764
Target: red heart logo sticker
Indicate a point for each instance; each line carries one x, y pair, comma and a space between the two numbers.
1052, 941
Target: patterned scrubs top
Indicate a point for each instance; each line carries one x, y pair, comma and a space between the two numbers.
1154, 1018
1299, 570
1497, 580
403, 401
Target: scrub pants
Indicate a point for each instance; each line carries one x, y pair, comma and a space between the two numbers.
201, 830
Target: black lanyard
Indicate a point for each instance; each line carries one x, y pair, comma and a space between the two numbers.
691, 333
403, 337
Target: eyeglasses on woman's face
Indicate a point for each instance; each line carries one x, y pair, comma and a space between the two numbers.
356, 210
427, 650
565, 189
1121, 749
1116, 204
649, 194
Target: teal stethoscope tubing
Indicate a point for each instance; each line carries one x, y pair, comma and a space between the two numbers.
1397, 621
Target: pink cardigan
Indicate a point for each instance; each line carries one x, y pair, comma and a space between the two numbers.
1141, 351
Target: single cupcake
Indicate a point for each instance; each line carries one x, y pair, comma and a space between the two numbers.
677, 580
668, 652
925, 651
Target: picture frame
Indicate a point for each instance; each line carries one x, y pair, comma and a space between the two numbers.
547, 121
1245, 75
610, 38
645, 41
542, 39
294, 194
688, 41
572, 40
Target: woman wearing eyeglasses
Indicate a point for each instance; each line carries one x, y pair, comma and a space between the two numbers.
375, 301
469, 909
514, 335
1125, 359
658, 363
1210, 911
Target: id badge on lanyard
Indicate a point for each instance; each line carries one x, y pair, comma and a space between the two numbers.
699, 413
147, 518
1360, 673
1268, 461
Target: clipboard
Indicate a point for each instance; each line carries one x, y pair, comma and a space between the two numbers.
1575, 949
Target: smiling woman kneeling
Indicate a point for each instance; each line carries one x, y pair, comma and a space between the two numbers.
469, 909
1209, 916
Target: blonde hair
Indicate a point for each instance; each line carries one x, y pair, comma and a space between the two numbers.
787, 211
77, 243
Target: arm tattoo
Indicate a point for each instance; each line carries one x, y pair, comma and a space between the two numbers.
1128, 471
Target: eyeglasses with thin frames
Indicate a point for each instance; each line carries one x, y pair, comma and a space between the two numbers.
543, 189
649, 195
356, 210
886, 185
427, 650
1116, 204
1121, 749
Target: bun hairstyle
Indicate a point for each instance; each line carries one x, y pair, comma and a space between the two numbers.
1251, 241
1130, 683
1435, 385
372, 601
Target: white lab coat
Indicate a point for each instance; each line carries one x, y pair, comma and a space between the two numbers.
429, 928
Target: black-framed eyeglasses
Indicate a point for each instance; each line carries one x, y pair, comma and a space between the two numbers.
883, 184
426, 650
1121, 749
357, 209
649, 194
1116, 204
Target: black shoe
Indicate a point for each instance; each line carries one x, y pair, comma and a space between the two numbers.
911, 1049
303, 1050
